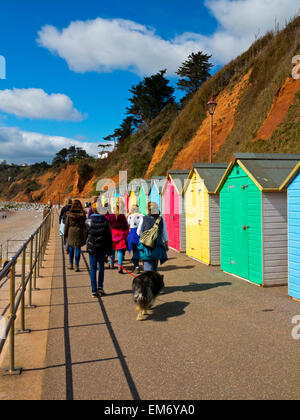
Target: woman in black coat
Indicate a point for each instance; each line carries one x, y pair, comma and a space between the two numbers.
74, 232
99, 246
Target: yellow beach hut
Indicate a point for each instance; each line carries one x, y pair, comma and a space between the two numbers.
133, 191
203, 212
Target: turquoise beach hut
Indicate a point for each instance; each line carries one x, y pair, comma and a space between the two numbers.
253, 215
144, 196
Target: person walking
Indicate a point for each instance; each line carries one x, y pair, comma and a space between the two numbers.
47, 209
75, 232
99, 246
119, 229
91, 208
151, 256
133, 239
62, 220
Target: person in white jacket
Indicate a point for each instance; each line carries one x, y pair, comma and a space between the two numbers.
134, 220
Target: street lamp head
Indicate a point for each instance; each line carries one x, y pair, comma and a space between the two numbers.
211, 105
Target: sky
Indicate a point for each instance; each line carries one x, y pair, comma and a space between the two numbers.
69, 64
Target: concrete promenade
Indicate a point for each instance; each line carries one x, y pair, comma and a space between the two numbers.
209, 336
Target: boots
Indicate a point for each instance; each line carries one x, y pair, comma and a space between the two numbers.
70, 267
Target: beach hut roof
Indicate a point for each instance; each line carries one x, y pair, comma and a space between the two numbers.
267, 170
135, 186
146, 185
178, 178
211, 173
159, 181
291, 177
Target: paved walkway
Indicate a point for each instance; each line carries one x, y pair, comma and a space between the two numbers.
210, 336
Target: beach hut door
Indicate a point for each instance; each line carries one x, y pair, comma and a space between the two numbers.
239, 259
174, 239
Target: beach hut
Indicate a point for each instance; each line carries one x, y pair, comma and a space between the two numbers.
253, 214
124, 195
102, 197
292, 184
111, 199
173, 208
144, 196
203, 212
105, 197
116, 194
133, 191
157, 185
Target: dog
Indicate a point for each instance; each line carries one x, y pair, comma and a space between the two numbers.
145, 288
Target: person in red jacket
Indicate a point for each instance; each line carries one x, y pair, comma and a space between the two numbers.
119, 229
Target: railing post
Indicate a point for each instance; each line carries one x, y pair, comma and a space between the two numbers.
42, 244
39, 251
35, 262
23, 330
30, 306
12, 370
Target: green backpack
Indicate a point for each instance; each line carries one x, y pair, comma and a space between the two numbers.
149, 237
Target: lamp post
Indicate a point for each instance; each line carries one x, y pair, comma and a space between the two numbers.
211, 105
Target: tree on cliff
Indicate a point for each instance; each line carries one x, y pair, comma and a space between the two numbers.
150, 96
193, 72
125, 130
69, 155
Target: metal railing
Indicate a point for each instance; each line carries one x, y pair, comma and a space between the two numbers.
36, 245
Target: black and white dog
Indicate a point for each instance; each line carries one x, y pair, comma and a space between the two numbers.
146, 287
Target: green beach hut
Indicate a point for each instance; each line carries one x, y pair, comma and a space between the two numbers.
144, 196
253, 215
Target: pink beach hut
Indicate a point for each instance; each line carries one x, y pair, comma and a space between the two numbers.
173, 209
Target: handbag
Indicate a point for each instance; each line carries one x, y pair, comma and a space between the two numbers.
149, 237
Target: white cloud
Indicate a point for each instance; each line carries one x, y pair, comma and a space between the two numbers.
22, 146
245, 18
104, 45
37, 104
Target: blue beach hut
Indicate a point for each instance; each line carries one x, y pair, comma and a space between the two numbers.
157, 186
292, 184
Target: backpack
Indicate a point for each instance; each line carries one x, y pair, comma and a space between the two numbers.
149, 237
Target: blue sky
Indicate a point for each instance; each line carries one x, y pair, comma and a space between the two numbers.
70, 63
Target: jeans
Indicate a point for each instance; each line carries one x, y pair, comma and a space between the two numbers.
96, 260
151, 265
135, 261
77, 252
120, 254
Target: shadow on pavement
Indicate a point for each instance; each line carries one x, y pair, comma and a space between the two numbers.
194, 287
122, 292
163, 312
176, 267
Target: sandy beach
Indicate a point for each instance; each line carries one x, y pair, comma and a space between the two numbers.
18, 225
